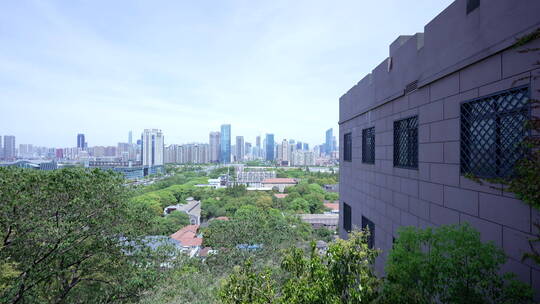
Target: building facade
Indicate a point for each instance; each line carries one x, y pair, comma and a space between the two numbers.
269, 147
446, 103
152, 147
225, 148
240, 148
214, 140
9, 148
81, 143
329, 143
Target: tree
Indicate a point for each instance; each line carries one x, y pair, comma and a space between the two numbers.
66, 233
448, 264
342, 275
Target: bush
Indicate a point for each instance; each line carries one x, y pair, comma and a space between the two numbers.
448, 264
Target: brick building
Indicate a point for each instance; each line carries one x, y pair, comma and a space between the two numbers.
446, 102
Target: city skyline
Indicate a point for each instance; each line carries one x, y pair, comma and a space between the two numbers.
102, 68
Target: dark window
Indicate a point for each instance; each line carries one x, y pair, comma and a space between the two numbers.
347, 223
369, 225
472, 5
492, 130
406, 143
347, 147
368, 145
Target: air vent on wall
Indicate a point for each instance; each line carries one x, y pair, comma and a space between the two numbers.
411, 87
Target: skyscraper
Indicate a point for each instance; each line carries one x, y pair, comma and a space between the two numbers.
240, 152
225, 155
1, 148
130, 138
329, 142
257, 151
152, 147
215, 138
270, 147
9, 147
81, 141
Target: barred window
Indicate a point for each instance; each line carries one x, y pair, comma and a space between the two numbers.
369, 225
347, 217
492, 130
368, 145
347, 147
472, 5
406, 143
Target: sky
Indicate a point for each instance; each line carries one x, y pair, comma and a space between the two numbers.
103, 68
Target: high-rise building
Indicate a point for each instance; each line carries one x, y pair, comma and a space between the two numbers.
305, 147
247, 150
152, 147
299, 145
269, 147
9, 147
215, 144
1, 148
81, 143
130, 137
329, 144
285, 151
225, 147
240, 152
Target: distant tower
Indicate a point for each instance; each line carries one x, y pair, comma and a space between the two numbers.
240, 148
130, 138
270, 147
152, 147
225, 153
9, 147
81, 143
215, 146
329, 142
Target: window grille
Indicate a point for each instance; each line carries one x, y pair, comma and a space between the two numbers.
492, 130
369, 225
347, 217
472, 5
368, 145
406, 143
347, 144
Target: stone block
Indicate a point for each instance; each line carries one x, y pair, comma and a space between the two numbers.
445, 87
442, 216
462, 200
400, 200
516, 244
408, 219
431, 152
489, 231
509, 212
433, 193
452, 152
481, 73
431, 112
446, 174
419, 208
445, 130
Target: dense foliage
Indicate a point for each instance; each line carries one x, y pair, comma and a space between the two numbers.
342, 274
448, 264
65, 234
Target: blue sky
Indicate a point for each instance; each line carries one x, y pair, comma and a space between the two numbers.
106, 67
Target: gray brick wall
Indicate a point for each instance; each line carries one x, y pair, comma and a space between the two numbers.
464, 57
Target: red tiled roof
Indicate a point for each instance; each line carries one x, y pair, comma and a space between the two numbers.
280, 195
279, 180
187, 236
332, 206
